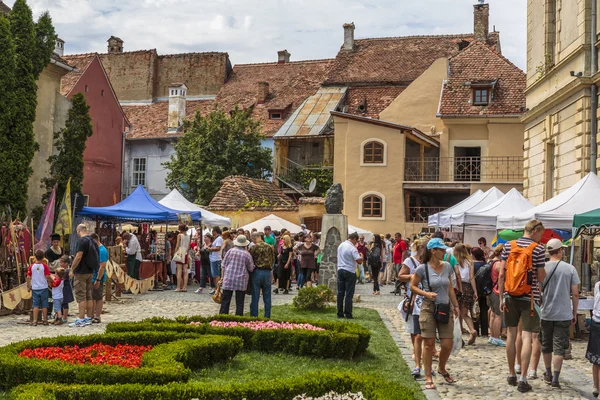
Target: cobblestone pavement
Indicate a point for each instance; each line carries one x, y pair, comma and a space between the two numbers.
480, 369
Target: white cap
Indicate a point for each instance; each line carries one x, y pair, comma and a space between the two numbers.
554, 244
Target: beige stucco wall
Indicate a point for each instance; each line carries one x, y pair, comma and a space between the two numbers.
51, 115
417, 105
311, 210
357, 180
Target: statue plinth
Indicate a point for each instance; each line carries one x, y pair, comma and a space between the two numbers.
334, 231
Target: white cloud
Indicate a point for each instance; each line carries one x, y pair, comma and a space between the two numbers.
254, 30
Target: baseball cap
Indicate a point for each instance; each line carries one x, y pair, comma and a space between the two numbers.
436, 243
554, 244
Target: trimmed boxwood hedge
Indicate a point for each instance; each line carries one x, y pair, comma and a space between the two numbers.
169, 361
373, 387
339, 340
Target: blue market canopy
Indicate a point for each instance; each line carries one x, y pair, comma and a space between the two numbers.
138, 206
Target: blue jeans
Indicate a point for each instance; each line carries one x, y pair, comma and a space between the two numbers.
261, 279
39, 298
346, 285
215, 269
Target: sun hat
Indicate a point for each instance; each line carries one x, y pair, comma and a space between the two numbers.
554, 244
240, 241
436, 243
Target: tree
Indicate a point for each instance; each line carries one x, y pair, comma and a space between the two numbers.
45, 42
70, 145
7, 85
214, 147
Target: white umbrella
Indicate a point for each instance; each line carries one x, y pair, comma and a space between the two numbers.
176, 201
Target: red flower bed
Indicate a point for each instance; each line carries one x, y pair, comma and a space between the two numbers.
99, 354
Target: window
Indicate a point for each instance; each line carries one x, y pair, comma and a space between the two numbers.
87, 88
86, 200
102, 93
275, 115
550, 167
481, 96
373, 153
372, 206
139, 172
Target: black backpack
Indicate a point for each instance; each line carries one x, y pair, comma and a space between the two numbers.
483, 279
374, 256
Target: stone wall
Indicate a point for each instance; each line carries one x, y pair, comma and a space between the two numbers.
132, 75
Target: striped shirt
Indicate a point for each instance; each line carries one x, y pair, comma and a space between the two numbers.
539, 261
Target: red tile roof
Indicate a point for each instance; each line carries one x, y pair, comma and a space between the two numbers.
4, 9
81, 62
374, 98
289, 85
238, 192
151, 121
479, 63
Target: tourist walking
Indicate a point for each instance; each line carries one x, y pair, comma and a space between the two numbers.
593, 348
481, 324
215, 256
181, 258
494, 300
85, 263
99, 279
388, 265
285, 265
362, 248
439, 302
204, 256
347, 258
237, 266
375, 259
308, 258
560, 300
262, 254
468, 295
521, 270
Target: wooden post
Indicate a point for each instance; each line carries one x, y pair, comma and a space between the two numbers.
108, 290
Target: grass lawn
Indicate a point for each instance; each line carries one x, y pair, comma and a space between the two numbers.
382, 356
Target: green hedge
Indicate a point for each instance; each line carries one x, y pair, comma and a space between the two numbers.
169, 361
338, 340
373, 387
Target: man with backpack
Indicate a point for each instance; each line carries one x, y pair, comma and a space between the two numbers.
521, 270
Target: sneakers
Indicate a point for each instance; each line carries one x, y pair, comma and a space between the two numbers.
547, 378
532, 375
555, 385
276, 291
595, 392
87, 321
79, 323
517, 369
524, 387
211, 292
496, 342
198, 291
512, 380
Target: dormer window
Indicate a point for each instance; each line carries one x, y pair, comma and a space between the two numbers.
275, 115
482, 96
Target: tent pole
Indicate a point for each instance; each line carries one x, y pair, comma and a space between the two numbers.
572, 246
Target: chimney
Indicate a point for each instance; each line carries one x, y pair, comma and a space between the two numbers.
481, 27
283, 57
177, 93
115, 45
59, 47
263, 92
348, 37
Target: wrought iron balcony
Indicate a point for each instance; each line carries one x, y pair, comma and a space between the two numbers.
297, 176
463, 169
420, 215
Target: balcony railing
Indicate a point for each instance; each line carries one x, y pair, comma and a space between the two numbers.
298, 176
420, 215
463, 169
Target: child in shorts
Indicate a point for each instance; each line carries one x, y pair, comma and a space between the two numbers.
67, 296
38, 279
58, 284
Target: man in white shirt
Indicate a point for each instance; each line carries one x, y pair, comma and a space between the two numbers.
347, 257
134, 255
215, 256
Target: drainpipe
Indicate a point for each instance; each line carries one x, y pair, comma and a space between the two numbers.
124, 167
594, 92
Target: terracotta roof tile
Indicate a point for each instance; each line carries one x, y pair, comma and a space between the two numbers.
4, 9
237, 192
311, 200
398, 60
377, 99
81, 62
479, 63
289, 85
151, 120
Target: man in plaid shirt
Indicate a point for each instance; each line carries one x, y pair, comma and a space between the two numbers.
236, 267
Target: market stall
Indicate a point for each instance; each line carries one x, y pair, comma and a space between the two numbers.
434, 220
276, 223
176, 201
453, 216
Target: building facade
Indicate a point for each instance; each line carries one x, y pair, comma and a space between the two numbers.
561, 95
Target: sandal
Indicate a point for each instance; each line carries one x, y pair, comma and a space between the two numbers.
45, 323
447, 377
416, 372
430, 385
472, 338
34, 324
95, 320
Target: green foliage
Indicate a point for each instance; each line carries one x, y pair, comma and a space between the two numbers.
373, 387
214, 147
314, 298
7, 105
303, 176
169, 361
45, 42
70, 141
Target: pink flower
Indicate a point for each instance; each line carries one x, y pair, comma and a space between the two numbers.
261, 325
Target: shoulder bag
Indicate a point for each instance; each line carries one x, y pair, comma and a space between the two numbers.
441, 312
218, 296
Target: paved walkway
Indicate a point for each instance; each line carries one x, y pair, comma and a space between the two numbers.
480, 369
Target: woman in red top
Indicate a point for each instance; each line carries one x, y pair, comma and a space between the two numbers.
495, 315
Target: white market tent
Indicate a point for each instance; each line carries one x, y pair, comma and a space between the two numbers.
512, 202
457, 218
558, 212
176, 201
276, 223
434, 220
368, 235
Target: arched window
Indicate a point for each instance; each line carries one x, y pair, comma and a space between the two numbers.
372, 206
373, 152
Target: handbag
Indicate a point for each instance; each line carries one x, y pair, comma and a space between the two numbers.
179, 256
441, 312
218, 296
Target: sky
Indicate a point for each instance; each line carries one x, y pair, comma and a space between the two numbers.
252, 31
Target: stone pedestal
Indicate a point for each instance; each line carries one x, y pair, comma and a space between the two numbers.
334, 231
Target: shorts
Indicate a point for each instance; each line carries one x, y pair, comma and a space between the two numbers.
57, 305
519, 309
493, 302
429, 326
98, 294
555, 337
416, 325
83, 287
40, 298
215, 269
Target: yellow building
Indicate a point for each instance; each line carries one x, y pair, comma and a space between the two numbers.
561, 82
454, 128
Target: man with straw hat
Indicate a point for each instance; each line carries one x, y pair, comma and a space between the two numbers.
236, 268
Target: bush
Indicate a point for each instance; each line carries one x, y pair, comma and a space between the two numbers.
314, 298
169, 361
373, 387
